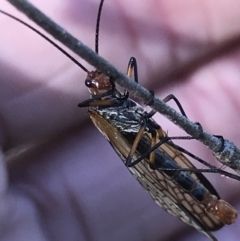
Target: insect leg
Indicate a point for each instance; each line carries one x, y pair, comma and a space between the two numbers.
135, 144
97, 98
132, 72
168, 139
132, 69
153, 153
146, 154
172, 97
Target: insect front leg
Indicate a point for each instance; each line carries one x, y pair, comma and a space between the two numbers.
95, 100
132, 69
132, 72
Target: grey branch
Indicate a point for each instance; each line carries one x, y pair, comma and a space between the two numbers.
226, 152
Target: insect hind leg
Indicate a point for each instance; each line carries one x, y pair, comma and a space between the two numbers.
135, 144
153, 129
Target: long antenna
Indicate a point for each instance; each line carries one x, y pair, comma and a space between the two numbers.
46, 38
98, 26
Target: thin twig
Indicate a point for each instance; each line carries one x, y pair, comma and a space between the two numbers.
228, 153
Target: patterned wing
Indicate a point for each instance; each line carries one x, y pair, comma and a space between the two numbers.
164, 191
182, 161
169, 196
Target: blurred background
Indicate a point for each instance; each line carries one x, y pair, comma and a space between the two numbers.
73, 185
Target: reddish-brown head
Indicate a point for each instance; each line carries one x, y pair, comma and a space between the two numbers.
97, 82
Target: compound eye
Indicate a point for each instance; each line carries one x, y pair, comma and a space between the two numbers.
88, 83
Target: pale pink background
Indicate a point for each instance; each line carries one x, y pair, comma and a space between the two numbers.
75, 187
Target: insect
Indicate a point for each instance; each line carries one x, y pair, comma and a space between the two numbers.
132, 132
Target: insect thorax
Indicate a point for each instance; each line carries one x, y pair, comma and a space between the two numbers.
126, 118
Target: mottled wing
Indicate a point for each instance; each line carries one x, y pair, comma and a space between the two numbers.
163, 190
169, 196
182, 161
